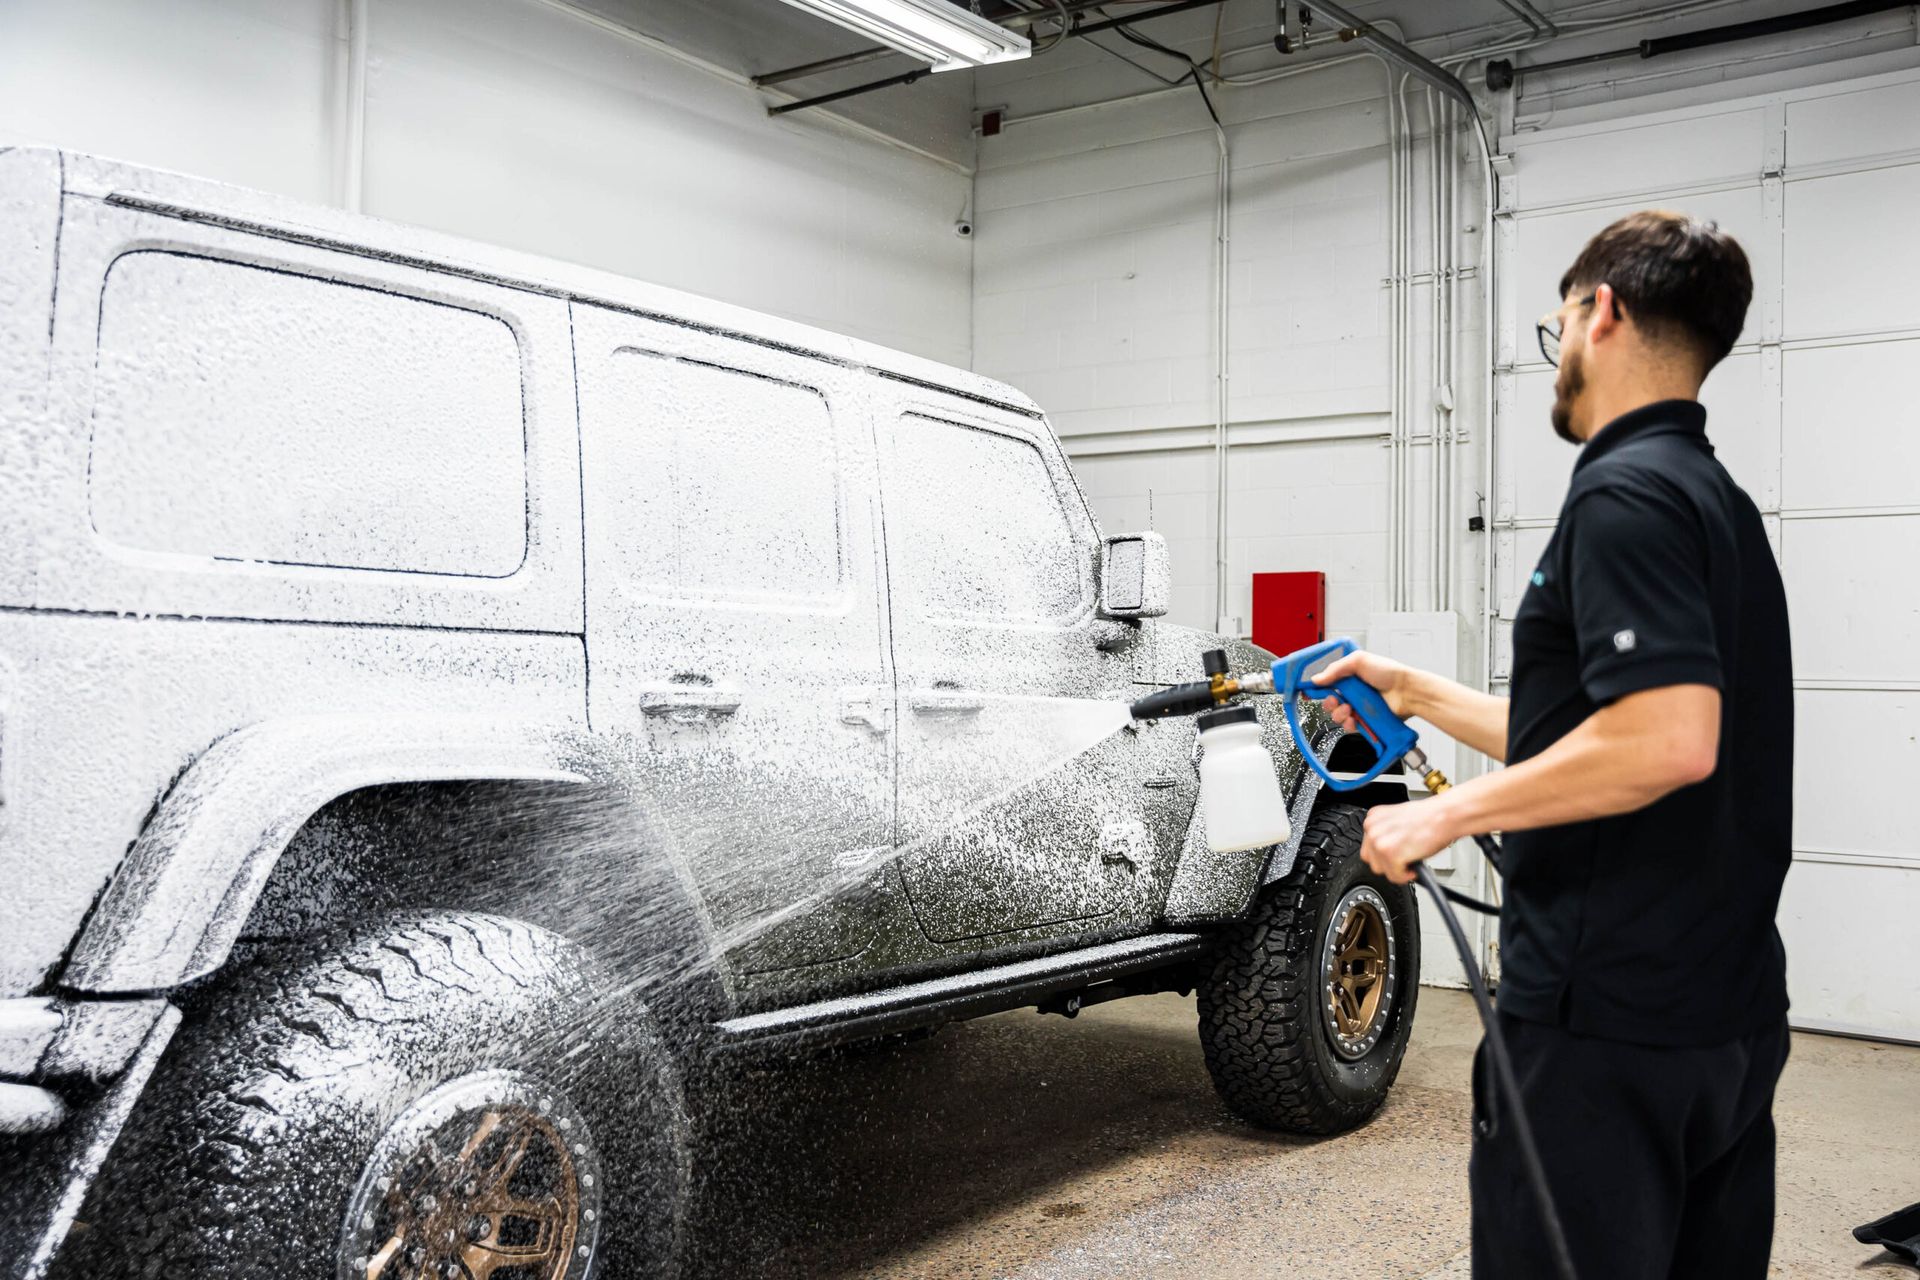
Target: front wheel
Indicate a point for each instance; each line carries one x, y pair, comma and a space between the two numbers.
1306, 1013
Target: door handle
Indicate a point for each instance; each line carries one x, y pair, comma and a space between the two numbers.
946, 702
689, 703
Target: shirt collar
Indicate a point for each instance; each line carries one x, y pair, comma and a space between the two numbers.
1682, 417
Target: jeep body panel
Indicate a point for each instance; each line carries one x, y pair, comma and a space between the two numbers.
106, 713
29, 233
181, 897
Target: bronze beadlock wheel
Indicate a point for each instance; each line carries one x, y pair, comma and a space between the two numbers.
490, 1177
1305, 1015
1358, 971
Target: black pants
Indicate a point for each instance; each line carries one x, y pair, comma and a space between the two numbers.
1660, 1160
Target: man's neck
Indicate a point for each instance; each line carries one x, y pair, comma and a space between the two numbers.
1610, 406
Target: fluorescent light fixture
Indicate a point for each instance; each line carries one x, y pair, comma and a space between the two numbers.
934, 31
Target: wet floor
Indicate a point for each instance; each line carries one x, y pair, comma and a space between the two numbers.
1035, 1148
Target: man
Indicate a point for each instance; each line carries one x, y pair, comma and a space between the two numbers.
1647, 798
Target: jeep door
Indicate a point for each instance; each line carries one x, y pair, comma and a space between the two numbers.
1022, 804
736, 638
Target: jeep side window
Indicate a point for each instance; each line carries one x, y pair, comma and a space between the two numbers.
259, 415
731, 493
985, 534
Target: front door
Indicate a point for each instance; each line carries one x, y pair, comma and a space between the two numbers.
736, 636
1021, 805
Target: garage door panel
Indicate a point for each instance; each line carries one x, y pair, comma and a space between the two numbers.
1541, 463
1851, 949
1852, 260
1850, 591
1841, 406
1696, 151
1521, 550
1537, 461
1547, 244
1853, 126
1850, 747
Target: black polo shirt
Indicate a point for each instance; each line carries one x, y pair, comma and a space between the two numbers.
1655, 926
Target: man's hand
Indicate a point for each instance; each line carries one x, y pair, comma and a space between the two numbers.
1399, 835
1478, 720
1394, 680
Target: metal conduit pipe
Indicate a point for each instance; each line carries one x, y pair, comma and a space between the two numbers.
353, 160
1395, 505
1504, 74
1223, 266
1436, 371
1541, 24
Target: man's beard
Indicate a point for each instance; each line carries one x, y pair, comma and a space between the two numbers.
1566, 389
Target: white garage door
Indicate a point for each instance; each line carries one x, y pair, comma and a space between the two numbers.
1815, 414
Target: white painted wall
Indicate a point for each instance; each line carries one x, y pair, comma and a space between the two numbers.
522, 123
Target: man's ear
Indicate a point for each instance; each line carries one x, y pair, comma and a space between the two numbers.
1606, 320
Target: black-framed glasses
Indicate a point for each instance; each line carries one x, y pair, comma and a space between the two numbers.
1549, 332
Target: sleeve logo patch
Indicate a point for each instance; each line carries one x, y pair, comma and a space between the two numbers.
1539, 578
1624, 641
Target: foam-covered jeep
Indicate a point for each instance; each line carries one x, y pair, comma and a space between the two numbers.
449, 699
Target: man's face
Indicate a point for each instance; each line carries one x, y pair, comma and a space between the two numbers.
1570, 387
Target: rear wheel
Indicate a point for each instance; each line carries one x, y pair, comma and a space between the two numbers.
1306, 1013
451, 1097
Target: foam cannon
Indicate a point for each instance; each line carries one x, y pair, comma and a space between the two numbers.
1241, 793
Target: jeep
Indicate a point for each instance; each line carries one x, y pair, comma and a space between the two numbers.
451, 700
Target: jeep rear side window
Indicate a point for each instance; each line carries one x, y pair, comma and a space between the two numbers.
729, 484
982, 535
250, 414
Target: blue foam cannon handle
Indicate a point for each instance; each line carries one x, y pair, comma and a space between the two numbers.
1389, 734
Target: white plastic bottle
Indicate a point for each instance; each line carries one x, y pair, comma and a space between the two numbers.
1239, 790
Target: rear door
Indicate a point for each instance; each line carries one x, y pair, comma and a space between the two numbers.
1022, 804
735, 624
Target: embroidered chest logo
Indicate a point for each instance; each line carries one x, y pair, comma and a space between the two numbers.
1624, 641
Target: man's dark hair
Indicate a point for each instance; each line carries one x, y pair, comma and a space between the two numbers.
1679, 278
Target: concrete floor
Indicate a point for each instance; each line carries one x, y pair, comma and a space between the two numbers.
1041, 1149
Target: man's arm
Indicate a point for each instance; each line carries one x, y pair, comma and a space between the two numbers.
1466, 715
1623, 757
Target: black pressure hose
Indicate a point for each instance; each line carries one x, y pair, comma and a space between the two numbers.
1508, 1081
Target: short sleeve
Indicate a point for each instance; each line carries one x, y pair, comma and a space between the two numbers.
1636, 565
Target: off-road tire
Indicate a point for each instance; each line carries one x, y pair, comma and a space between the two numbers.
1264, 1019
241, 1158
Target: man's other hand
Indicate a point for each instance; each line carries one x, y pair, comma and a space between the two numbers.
1399, 835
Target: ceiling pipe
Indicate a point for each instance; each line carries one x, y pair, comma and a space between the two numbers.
1395, 52
1092, 28
1503, 74
1542, 25
806, 69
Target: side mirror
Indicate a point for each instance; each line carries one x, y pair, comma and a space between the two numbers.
1136, 576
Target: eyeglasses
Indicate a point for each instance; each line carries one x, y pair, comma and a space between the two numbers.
1549, 331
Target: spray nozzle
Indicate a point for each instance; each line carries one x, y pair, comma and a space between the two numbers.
1202, 695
